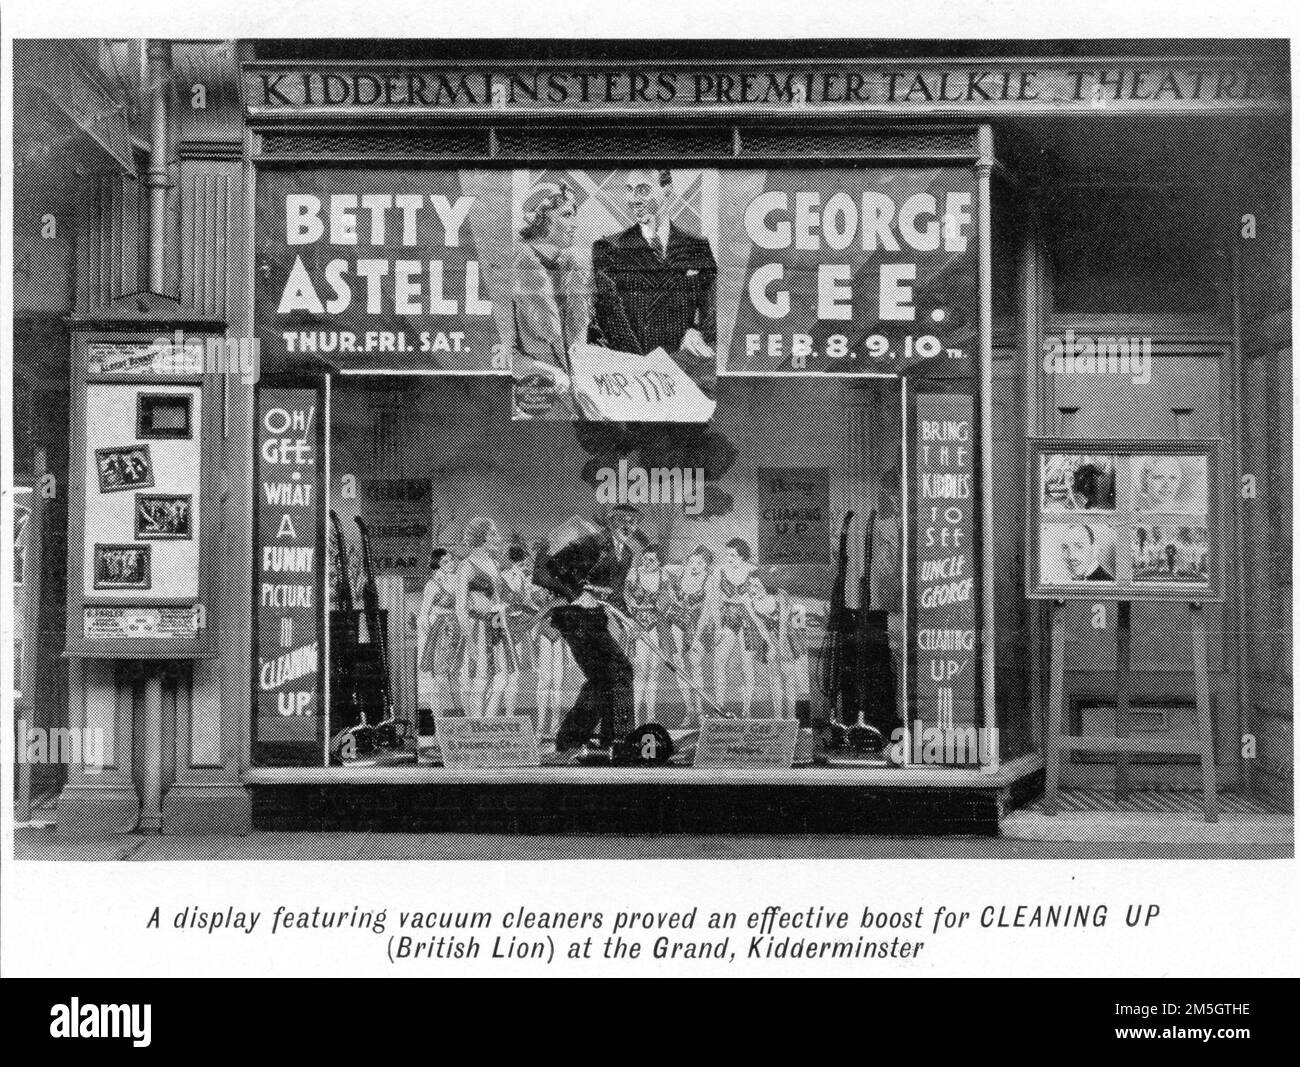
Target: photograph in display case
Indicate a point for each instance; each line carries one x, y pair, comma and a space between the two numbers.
127, 467
1123, 520
1170, 485
164, 516
1078, 483
122, 566
1077, 552
1172, 553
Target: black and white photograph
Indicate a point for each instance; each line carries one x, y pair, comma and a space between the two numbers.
126, 467
1177, 552
163, 516
122, 566
704, 462
1169, 485
619, 264
1078, 552
1078, 483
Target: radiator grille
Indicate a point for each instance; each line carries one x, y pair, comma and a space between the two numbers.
805, 141
439, 143
647, 142
622, 143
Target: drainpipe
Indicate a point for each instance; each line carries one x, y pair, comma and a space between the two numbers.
159, 67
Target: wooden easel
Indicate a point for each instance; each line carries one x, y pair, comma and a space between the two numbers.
1122, 745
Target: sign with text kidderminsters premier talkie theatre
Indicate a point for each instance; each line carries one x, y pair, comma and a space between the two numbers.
959, 87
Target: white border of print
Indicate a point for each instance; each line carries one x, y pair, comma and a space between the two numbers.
1227, 919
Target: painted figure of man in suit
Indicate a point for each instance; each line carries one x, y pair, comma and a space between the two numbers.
664, 277
586, 565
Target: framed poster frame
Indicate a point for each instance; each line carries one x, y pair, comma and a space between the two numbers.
146, 481
81, 602
1133, 546
144, 553
145, 403
187, 535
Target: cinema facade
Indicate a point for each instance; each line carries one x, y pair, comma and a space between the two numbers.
324, 333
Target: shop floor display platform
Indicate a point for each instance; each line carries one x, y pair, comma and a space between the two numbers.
904, 801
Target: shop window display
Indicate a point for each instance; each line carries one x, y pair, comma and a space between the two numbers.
595, 434
713, 571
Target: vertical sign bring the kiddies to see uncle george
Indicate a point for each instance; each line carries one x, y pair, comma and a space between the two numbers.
946, 624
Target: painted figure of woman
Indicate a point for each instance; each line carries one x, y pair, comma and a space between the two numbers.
737, 630
440, 640
480, 610
520, 611
786, 650
643, 592
552, 658
551, 286
551, 291
684, 605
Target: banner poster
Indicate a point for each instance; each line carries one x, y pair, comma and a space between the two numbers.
381, 269
944, 587
617, 294
288, 719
